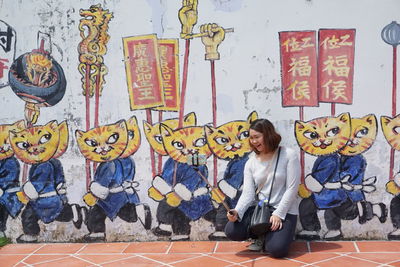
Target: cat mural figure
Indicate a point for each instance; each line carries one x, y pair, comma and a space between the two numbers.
391, 131
44, 193
181, 189
230, 142
113, 189
153, 134
352, 169
321, 137
336, 187
9, 176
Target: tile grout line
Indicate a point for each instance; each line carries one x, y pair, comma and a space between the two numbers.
212, 256
194, 257
169, 248
85, 260
356, 246
64, 256
355, 257
308, 247
115, 260
127, 245
83, 247
215, 247
30, 254
150, 259
339, 255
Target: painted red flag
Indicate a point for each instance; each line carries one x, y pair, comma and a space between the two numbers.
169, 62
298, 68
143, 72
336, 65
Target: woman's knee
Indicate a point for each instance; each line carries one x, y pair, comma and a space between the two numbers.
278, 251
234, 233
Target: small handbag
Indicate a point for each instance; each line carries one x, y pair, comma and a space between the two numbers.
259, 223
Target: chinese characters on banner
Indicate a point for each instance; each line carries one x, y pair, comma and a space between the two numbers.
336, 65
169, 60
299, 68
7, 51
143, 72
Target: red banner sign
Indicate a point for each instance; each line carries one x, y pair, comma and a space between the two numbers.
169, 61
143, 72
7, 51
336, 65
299, 68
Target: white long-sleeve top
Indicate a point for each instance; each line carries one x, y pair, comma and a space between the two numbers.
284, 197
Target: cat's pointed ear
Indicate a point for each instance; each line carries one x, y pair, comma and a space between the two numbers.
12, 134
64, 136
20, 125
132, 120
298, 125
385, 120
344, 117
208, 129
53, 125
252, 117
371, 119
122, 124
147, 127
79, 134
165, 130
190, 119
63, 126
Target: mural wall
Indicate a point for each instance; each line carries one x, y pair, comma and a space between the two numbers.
128, 120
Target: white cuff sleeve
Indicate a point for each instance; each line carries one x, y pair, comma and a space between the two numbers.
99, 190
161, 185
200, 191
30, 191
227, 189
183, 192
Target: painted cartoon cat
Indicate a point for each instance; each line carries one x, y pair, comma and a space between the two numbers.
391, 131
128, 164
153, 135
44, 192
352, 169
182, 188
9, 176
113, 186
322, 137
229, 141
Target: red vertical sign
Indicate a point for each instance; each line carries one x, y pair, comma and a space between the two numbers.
7, 51
298, 68
336, 65
143, 72
169, 62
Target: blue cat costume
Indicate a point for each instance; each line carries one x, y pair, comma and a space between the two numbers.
46, 190
116, 179
9, 184
198, 206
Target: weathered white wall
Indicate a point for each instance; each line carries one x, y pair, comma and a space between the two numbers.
248, 78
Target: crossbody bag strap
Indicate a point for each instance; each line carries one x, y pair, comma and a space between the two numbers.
273, 177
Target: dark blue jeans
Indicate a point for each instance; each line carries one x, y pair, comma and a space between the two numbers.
276, 243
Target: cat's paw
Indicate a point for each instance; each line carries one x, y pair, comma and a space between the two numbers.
173, 199
155, 194
303, 191
392, 188
22, 197
90, 199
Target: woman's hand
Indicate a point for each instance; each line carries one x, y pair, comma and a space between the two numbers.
276, 223
232, 215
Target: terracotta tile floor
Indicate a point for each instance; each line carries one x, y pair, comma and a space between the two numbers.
201, 253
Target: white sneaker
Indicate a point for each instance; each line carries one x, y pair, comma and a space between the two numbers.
257, 244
